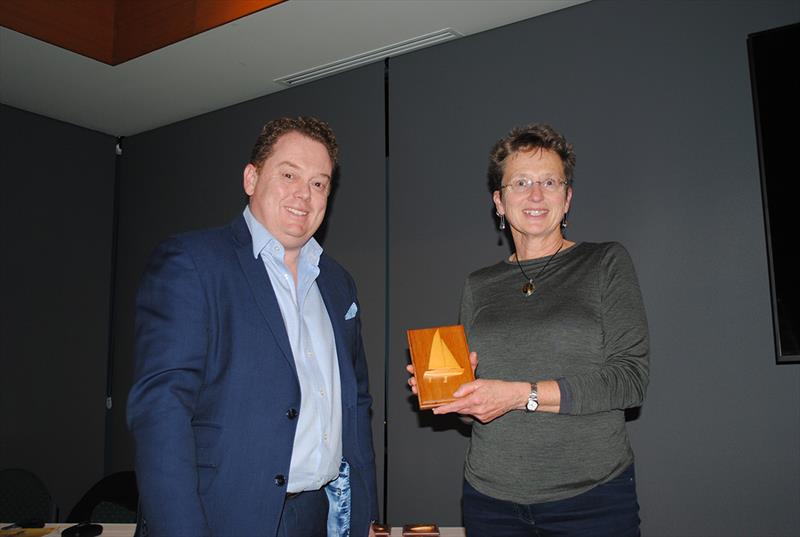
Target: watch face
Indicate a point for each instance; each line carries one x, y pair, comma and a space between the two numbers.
532, 405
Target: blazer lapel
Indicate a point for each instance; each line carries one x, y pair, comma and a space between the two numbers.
258, 279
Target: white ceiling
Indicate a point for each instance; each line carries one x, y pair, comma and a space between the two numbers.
232, 63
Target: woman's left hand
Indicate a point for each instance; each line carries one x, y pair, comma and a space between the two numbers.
487, 399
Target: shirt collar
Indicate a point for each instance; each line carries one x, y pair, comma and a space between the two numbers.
263, 241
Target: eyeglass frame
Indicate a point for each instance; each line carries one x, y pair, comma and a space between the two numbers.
530, 182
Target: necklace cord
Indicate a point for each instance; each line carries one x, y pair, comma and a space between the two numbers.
532, 280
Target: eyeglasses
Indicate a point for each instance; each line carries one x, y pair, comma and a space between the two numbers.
524, 184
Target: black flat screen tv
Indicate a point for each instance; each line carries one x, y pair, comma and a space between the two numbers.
776, 100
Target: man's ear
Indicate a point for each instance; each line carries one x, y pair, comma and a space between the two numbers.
249, 179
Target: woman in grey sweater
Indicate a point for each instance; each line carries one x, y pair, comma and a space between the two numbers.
561, 333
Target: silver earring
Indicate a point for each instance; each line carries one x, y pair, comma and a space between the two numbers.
502, 225
564, 222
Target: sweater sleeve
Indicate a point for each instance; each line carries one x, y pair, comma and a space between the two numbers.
620, 381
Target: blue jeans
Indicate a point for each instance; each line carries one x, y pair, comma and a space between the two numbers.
607, 510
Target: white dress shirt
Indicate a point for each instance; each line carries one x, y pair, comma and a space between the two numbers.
317, 450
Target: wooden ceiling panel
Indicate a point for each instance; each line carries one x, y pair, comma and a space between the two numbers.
147, 25
82, 26
115, 31
212, 13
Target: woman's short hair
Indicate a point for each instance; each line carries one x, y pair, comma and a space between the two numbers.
314, 128
530, 137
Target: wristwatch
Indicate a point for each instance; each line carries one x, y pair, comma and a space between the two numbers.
533, 399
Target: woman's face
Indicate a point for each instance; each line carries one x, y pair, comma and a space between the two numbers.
537, 213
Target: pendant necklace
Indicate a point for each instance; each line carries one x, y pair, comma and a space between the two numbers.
529, 287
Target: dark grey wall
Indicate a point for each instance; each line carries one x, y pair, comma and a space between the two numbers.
189, 175
56, 224
656, 98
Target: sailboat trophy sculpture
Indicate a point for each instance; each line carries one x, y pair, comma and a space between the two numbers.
441, 363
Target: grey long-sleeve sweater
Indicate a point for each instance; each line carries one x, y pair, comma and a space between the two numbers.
584, 326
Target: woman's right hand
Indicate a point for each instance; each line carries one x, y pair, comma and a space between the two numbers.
412, 380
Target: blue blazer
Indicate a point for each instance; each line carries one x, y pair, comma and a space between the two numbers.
214, 405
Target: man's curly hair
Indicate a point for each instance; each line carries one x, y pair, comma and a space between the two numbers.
314, 128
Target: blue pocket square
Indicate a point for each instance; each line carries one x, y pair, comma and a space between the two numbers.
351, 312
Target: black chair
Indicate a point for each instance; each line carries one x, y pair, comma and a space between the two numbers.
24, 498
113, 499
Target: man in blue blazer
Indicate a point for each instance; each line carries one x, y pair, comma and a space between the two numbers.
250, 406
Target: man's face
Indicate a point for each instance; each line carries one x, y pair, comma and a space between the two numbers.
289, 193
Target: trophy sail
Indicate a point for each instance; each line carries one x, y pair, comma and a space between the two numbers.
442, 364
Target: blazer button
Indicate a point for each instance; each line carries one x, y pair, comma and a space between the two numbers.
280, 480
291, 413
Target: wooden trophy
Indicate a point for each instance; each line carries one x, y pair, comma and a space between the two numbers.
381, 530
441, 363
427, 530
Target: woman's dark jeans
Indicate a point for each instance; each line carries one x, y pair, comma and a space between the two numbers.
607, 510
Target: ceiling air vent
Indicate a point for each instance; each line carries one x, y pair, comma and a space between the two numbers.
371, 56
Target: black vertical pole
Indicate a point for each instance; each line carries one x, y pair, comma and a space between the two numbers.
386, 327
109, 422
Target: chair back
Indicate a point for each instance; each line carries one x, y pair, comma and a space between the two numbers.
113, 499
24, 498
